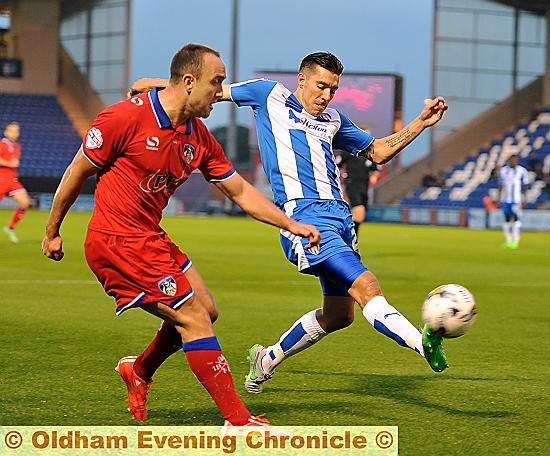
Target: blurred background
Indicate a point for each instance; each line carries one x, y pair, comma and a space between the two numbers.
63, 61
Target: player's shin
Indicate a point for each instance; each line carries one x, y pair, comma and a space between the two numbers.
305, 332
516, 231
207, 362
17, 216
387, 320
166, 342
507, 229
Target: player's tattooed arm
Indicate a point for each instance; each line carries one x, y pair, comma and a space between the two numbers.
401, 138
367, 152
384, 149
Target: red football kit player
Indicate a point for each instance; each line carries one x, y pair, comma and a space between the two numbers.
142, 160
10, 154
142, 149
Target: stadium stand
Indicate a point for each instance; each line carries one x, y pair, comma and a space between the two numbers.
48, 138
469, 182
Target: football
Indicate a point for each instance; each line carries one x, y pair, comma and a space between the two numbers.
449, 310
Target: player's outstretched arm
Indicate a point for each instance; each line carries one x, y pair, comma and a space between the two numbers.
67, 192
384, 149
256, 205
145, 85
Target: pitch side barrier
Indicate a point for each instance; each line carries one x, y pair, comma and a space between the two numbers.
474, 218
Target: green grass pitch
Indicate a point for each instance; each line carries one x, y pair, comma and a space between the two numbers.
60, 339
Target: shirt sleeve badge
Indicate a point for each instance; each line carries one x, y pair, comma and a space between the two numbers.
94, 139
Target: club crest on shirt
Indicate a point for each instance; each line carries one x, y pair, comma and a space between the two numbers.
94, 138
189, 152
168, 286
314, 250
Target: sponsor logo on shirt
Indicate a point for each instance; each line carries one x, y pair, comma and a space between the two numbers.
168, 286
137, 101
306, 123
152, 143
94, 139
157, 182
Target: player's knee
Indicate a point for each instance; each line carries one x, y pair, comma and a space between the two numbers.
366, 284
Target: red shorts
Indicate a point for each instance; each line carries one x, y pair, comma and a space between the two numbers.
139, 270
10, 187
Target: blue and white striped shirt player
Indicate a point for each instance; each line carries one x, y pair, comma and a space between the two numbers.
296, 149
512, 180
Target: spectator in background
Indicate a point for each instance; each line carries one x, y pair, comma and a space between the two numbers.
533, 162
440, 179
10, 153
434, 180
539, 173
428, 180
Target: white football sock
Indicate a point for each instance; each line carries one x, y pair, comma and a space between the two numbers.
507, 228
387, 320
516, 230
302, 334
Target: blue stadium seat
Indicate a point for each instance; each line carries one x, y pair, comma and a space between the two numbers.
48, 138
470, 181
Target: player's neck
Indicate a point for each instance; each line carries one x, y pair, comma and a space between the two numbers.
298, 95
174, 106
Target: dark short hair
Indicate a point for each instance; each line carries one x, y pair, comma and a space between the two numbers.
189, 59
325, 60
13, 122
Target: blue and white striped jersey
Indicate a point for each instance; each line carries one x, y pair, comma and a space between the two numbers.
296, 147
512, 181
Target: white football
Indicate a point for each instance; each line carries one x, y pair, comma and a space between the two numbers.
449, 310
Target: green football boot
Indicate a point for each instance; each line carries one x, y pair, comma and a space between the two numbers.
433, 350
256, 374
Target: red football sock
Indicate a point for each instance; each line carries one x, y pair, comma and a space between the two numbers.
212, 370
167, 341
17, 215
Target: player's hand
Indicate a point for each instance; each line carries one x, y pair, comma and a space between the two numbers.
306, 231
53, 247
145, 85
433, 110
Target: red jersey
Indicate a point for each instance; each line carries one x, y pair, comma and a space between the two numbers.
9, 151
142, 160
